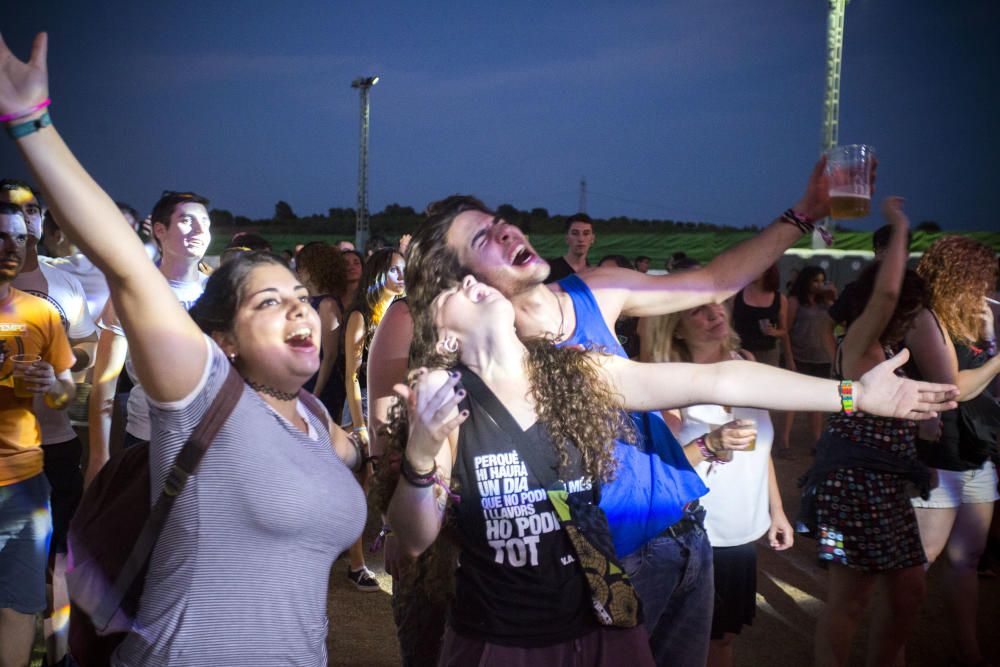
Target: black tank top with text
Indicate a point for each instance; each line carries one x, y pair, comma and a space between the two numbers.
518, 582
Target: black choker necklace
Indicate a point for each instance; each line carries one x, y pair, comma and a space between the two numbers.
271, 391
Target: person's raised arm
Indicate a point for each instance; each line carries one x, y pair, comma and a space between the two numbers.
743, 383
151, 315
416, 509
869, 325
625, 292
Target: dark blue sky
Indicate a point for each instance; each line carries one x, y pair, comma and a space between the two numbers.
688, 109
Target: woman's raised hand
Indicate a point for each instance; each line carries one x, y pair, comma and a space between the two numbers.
882, 392
23, 84
432, 411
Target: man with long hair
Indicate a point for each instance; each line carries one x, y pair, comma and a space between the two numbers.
652, 504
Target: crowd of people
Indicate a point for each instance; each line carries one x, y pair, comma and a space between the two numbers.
573, 463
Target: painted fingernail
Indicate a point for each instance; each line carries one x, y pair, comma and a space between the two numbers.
460, 392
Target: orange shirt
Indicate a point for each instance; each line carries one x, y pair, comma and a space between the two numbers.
28, 325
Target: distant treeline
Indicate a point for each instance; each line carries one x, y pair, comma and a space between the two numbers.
395, 220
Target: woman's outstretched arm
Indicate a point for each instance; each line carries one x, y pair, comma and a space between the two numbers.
744, 383
167, 347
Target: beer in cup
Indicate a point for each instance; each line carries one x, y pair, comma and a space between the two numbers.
21, 363
849, 169
747, 415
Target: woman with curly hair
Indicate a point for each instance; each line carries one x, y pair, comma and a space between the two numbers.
948, 346
744, 503
322, 269
381, 282
519, 436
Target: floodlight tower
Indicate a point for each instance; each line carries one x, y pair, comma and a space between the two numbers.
831, 99
363, 84
583, 196
834, 51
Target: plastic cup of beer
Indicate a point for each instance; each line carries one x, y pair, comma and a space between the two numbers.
764, 324
849, 169
20, 364
747, 416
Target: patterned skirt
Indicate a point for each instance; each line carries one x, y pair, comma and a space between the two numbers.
865, 520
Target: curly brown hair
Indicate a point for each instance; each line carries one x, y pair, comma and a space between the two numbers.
572, 401
959, 272
325, 265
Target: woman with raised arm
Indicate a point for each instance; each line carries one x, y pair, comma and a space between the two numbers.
857, 501
239, 573
520, 447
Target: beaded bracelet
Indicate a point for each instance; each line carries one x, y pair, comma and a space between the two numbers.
846, 390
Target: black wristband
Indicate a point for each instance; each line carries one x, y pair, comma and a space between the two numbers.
419, 480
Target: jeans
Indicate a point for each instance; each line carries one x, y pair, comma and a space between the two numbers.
673, 578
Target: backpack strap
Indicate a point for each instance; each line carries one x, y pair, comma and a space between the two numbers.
184, 466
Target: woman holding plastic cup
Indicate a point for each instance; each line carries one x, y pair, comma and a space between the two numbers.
730, 448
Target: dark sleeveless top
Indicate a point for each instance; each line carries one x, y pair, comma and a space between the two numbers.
653, 480
746, 321
518, 582
969, 432
334, 393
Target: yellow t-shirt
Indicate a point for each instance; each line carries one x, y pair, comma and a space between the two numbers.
28, 325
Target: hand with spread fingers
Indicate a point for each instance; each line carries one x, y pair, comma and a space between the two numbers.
881, 392
432, 412
23, 84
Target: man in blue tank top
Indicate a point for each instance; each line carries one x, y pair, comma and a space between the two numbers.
651, 504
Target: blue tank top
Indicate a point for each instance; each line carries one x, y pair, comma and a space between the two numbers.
653, 480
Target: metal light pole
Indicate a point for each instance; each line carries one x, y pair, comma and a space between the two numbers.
363, 84
831, 98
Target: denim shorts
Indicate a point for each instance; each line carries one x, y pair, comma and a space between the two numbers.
25, 526
962, 487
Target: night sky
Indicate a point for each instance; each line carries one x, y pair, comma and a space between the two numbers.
685, 109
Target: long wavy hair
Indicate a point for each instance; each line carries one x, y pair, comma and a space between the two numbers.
959, 272
326, 267
572, 401
801, 287
666, 346
371, 290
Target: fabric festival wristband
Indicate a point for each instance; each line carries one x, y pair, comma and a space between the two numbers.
24, 129
846, 389
419, 480
702, 443
26, 112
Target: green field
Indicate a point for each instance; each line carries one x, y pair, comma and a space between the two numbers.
659, 246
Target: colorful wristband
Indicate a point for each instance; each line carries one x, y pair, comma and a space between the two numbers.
846, 389
706, 452
24, 129
27, 112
